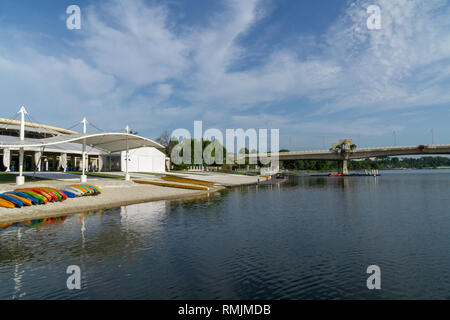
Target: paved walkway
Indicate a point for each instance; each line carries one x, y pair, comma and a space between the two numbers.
56, 176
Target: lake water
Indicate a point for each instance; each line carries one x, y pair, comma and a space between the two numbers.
311, 238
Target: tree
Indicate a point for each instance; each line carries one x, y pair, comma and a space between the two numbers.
164, 138
344, 146
167, 142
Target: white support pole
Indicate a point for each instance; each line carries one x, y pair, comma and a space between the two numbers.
127, 175
20, 180
83, 153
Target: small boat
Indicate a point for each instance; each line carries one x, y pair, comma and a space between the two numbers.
77, 192
57, 193
48, 194
6, 204
97, 189
16, 202
335, 175
5, 225
69, 194
84, 190
25, 201
25, 196
39, 192
37, 196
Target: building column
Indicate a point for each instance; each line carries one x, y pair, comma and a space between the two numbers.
20, 180
83, 177
343, 167
127, 155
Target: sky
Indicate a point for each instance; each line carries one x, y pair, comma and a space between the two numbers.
310, 68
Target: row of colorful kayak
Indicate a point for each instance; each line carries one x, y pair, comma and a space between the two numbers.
42, 195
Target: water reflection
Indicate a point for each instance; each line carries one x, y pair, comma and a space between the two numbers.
310, 238
45, 222
335, 182
147, 215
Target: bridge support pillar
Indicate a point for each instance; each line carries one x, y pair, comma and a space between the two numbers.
343, 166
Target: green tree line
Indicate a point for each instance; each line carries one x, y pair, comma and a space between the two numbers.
368, 164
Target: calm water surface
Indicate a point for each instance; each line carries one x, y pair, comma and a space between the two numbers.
311, 238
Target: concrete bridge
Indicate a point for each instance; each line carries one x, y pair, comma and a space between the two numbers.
344, 155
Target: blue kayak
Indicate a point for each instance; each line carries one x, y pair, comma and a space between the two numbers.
69, 194
24, 195
15, 201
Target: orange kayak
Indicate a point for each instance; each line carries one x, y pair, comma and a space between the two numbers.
81, 189
5, 225
6, 204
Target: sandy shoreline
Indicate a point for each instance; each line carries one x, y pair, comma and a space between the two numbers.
116, 193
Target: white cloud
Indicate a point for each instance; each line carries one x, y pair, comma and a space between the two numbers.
134, 42
136, 60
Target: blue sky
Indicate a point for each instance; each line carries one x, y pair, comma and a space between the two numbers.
309, 68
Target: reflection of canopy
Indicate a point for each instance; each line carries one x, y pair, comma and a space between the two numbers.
108, 142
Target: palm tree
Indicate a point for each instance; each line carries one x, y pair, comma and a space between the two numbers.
343, 146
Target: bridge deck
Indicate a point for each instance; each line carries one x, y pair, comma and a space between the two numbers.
360, 153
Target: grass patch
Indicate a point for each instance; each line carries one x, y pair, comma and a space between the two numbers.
6, 177
98, 175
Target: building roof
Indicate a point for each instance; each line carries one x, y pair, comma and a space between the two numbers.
107, 142
43, 128
68, 147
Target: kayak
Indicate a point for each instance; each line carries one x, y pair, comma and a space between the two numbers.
25, 196
16, 202
25, 201
52, 193
335, 175
40, 198
69, 194
6, 204
44, 194
89, 190
78, 192
5, 225
38, 192
84, 190
97, 189
57, 191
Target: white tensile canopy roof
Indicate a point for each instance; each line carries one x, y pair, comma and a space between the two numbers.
107, 142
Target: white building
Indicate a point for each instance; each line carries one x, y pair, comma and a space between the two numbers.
144, 160
48, 148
